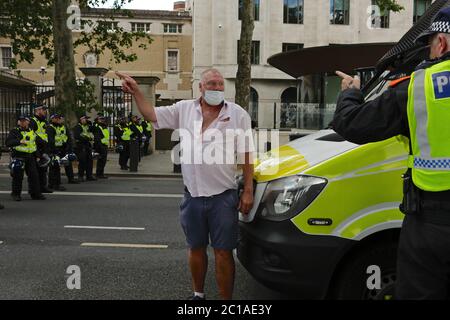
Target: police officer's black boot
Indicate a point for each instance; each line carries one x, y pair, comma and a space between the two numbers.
1, 206
38, 197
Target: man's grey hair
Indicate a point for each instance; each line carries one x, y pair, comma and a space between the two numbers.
207, 72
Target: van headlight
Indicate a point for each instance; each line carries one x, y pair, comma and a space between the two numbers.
285, 198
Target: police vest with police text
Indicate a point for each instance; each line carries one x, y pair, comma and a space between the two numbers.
429, 125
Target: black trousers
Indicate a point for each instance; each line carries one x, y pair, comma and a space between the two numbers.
146, 146
54, 175
101, 161
85, 162
69, 172
43, 172
31, 170
423, 265
124, 156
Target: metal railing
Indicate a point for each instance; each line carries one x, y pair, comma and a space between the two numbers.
17, 100
115, 104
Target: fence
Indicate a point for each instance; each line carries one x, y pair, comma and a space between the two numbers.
115, 104
18, 100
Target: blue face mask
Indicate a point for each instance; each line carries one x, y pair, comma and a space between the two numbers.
214, 98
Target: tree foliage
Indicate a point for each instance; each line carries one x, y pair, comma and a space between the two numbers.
390, 5
29, 25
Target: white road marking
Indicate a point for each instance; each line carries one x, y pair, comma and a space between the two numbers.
104, 228
124, 245
124, 195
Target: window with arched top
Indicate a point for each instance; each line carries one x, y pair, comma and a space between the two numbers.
288, 116
289, 95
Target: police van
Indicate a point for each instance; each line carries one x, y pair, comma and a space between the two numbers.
326, 221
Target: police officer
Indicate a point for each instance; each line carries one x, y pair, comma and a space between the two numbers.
416, 107
57, 137
39, 125
147, 127
101, 145
67, 149
122, 133
84, 138
24, 142
137, 133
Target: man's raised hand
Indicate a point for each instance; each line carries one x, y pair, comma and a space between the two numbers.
129, 85
349, 82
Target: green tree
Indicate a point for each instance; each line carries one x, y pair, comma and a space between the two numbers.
390, 5
43, 26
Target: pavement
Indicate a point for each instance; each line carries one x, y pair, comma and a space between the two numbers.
157, 165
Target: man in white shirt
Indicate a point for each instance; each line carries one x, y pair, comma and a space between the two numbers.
215, 136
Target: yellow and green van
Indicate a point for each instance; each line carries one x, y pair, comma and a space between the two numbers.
328, 213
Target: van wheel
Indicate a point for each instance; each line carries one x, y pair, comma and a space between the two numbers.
351, 282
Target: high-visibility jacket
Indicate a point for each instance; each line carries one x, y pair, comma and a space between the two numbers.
41, 129
126, 135
61, 135
30, 146
429, 124
86, 132
105, 132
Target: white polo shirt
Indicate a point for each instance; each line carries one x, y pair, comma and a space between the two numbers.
208, 159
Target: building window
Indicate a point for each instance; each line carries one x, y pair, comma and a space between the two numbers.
6, 57
111, 26
340, 12
381, 21
292, 47
140, 27
256, 6
255, 52
172, 61
420, 6
293, 11
173, 28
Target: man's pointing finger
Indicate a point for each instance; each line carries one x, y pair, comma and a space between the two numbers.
343, 75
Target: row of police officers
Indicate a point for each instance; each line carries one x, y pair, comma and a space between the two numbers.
40, 149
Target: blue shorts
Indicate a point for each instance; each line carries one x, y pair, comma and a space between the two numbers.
215, 218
